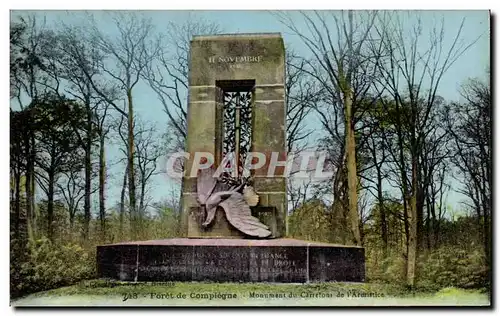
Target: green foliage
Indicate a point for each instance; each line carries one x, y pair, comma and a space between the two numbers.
389, 270
452, 266
56, 120
447, 266
48, 266
310, 222
164, 224
452, 257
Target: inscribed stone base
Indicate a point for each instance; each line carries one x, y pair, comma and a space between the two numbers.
231, 260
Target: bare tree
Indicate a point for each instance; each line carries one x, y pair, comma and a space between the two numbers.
73, 67
470, 124
71, 188
301, 94
378, 156
122, 202
149, 148
344, 67
28, 41
17, 168
298, 193
168, 75
103, 129
59, 149
125, 58
121, 131
411, 72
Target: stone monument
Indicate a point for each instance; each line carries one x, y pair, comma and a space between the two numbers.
234, 221
230, 74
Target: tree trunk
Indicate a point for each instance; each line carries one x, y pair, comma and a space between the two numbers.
383, 220
420, 218
435, 225
12, 190
27, 188
340, 205
351, 169
71, 219
34, 213
102, 183
404, 185
86, 201
28, 185
88, 175
122, 202
412, 228
141, 199
130, 161
428, 226
17, 201
486, 230
181, 230
50, 206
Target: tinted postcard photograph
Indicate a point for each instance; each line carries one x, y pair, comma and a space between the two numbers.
250, 158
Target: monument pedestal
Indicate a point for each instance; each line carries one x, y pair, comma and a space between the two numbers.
231, 260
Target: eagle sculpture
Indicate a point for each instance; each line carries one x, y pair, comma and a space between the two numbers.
235, 199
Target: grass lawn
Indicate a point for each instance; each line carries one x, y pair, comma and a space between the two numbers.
102, 293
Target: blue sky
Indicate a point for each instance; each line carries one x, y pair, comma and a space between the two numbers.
472, 64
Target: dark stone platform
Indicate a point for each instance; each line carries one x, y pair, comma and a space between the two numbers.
231, 260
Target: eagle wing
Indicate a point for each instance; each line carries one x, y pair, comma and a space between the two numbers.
205, 184
239, 215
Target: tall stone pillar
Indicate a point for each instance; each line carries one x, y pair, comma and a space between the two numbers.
246, 61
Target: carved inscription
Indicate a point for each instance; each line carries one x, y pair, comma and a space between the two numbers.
228, 262
234, 61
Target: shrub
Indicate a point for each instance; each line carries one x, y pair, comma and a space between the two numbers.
445, 267
48, 266
451, 266
310, 222
389, 270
